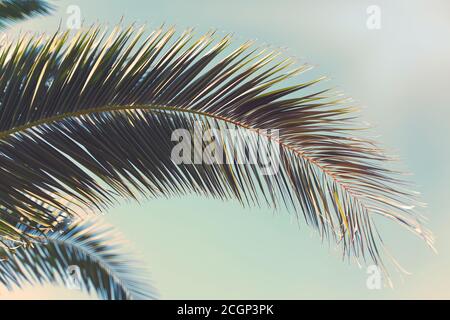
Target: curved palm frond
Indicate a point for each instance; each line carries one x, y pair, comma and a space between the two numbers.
16, 10
93, 250
89, 118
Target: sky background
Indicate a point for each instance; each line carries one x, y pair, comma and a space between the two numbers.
196, 248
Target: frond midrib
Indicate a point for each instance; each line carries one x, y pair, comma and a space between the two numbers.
156, 107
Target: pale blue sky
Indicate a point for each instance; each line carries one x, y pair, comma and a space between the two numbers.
197, 248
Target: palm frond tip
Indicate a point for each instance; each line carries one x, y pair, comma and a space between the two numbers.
89, 119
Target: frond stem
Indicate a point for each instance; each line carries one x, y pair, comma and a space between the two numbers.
60, 117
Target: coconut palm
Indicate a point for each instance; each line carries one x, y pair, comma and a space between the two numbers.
87, 120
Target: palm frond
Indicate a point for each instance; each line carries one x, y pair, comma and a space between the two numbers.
17, 10
94, 250
87, 120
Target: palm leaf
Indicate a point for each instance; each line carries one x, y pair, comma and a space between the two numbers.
94, 249
87, 120
16, 10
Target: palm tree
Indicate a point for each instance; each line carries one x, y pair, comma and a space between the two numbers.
87, 120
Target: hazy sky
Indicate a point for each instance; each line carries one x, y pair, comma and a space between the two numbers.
197, 248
